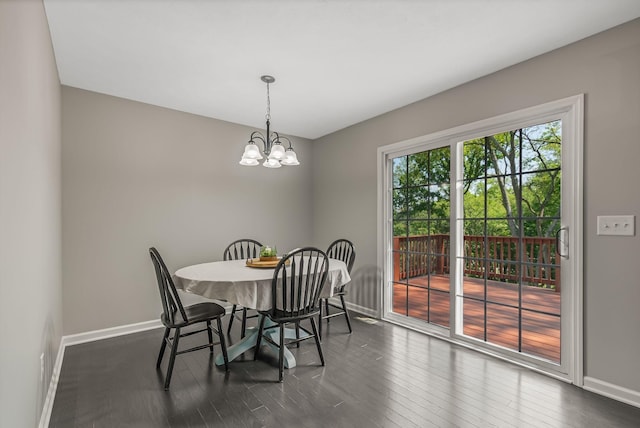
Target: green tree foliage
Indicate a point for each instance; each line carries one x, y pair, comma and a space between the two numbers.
421, 193
512, 179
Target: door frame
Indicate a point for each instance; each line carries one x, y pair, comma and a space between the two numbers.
571, 111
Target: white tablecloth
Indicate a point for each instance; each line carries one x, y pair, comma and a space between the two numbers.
239, 284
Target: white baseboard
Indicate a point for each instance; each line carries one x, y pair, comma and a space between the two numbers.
76, 339
356, 308
610, 390
90, 336
363, 310
45, 416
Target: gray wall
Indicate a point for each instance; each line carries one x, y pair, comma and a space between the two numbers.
136, 176
606, 68
30, 254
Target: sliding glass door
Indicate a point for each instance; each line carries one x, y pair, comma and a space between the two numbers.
421, 223
511, 212
476, 240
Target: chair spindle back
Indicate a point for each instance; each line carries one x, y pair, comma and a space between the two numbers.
171, 304
297, 282
242, 249
342, 249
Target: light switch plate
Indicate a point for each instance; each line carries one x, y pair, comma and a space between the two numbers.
621, 225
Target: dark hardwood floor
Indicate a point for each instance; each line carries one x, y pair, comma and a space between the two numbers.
382, 375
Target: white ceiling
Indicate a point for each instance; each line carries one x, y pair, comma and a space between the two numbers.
336, 62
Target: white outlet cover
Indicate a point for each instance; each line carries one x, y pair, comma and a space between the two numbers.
618, 225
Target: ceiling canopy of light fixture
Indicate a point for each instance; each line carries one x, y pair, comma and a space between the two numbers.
273, 148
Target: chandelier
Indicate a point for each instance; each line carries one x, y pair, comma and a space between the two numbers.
272, 144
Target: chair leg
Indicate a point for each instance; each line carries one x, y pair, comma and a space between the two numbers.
244, 323
167, 330
318, 345
281, 354
172, 358
320, 322
223, 345
210, 334
346, 313
326, 309
233, 315
259, 340
297, 333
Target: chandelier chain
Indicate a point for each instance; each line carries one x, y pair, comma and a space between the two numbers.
268, 115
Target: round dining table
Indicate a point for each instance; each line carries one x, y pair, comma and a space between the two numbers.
235, 282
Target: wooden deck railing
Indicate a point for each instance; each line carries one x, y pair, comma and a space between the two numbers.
499, 256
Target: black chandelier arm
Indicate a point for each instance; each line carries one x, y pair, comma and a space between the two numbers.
274, 137
287, 140
278, 139
256, 135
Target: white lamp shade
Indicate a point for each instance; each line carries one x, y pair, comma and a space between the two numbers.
277, 152
290, 158
249, 162
251, 151
271, 163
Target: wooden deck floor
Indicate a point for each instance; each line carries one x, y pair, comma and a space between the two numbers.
540, 331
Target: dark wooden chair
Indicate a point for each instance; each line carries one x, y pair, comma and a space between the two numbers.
340, 249
296, 285
176, 317
239, 250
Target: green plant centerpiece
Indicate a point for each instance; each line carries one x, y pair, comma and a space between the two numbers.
268, 253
